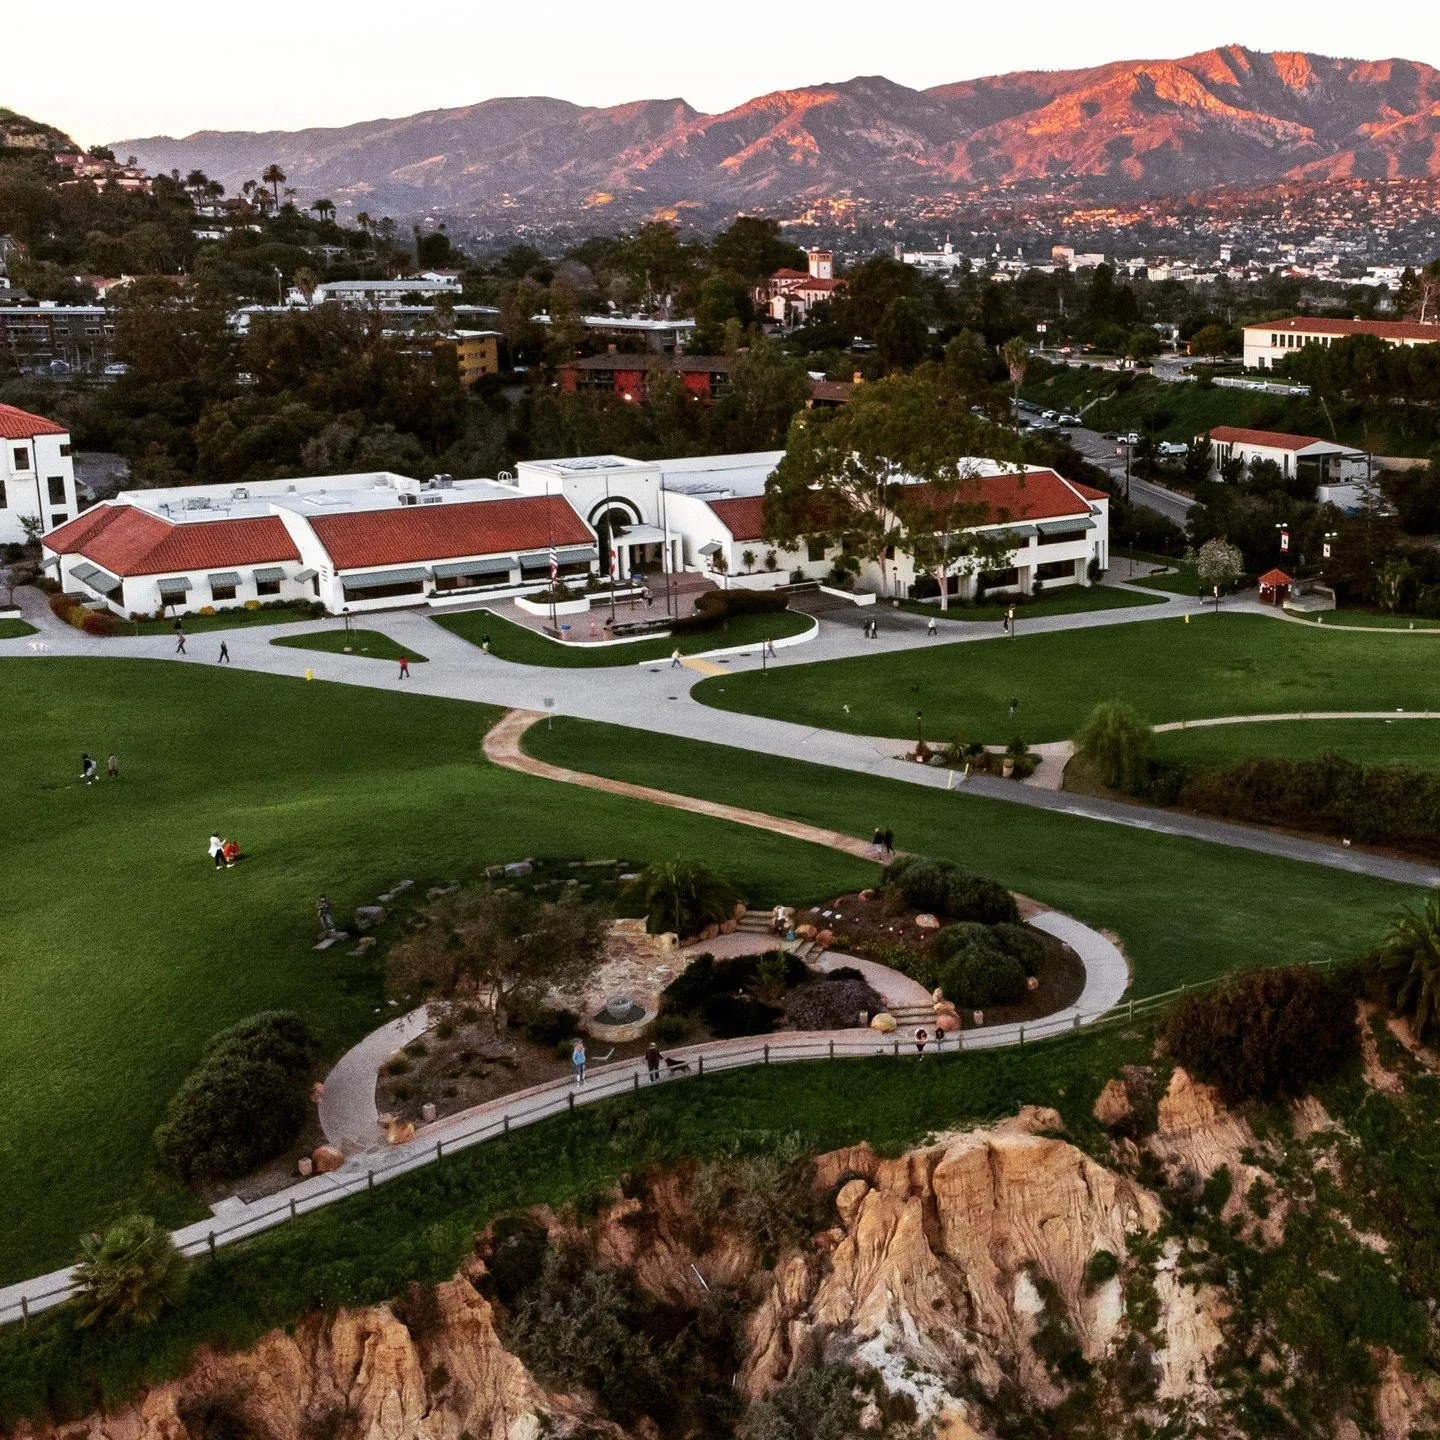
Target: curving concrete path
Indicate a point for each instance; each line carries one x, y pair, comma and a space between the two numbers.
347, 1106
1300, 715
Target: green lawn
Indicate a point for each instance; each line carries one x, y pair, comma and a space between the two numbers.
1226, 664
15, 629
369, 643
527, 647
1185, 910
422, 1227
122, 949
1370, 620
222, 620
1370, 742
1071, 600
1184, 579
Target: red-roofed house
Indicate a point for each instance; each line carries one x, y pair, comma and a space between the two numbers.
1323, 463
350, 542
1268, 343
37, 475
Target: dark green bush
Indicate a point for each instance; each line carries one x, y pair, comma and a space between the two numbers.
243, 1104
1021, 942
705, 977
944, 889
1377, 804
732, 1015
721, 604
544, 1024
981, 974
518, 1245
670, 1029
1264, 1033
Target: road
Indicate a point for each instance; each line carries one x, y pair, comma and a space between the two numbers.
1096, 448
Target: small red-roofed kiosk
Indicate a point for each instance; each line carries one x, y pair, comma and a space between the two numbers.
1275, 587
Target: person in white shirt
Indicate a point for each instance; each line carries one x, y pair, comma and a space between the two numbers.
217, 849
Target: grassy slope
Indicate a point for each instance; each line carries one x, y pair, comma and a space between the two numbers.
1222, 664
370, 644
1391, 742
1184, 579
1071, 600
1185, 910
422, 1226
525, 647
15, 629
231, 619
121, 950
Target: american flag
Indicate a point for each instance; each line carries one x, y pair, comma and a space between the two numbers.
554, 565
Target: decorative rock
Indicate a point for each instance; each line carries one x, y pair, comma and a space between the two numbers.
825, 939
316, 1091
517, 868
727, 927
867, 894
937, 994
1032, 982
400, 1132
366, 942
884, 1022
436, 891
326, 1158
367, 917
926, 922
805, 932
427, 1112
305, 1166
945, 1007
739, 910
947, 1022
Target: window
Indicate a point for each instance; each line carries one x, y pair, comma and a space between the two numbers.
58, 518
1058, 569
999, 579
21, 457
1059, 537
815, 550
2, 495
379, 592
57, 489
267, 587
222, 592
65, 450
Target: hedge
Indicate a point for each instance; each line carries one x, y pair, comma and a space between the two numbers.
715, 607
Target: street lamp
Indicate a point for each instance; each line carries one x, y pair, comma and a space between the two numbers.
345, 613
919, 733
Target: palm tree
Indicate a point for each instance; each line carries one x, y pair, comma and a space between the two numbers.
306, 282
1409, 957
274, 176
363, 221
683, 896
129, 1274
323, 208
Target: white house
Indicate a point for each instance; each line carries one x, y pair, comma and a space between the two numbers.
1336, 468
37, 475
351, 542
1268, 343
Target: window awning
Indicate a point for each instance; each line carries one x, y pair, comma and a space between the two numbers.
95, 578
488, 565
378, 579
1076, 522
535, 557
713, 548
174, 585
1016, 533
269, 574
574, 554
224, 577
306, 576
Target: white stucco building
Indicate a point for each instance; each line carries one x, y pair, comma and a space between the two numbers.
1268, 343
37, 475
1341, 475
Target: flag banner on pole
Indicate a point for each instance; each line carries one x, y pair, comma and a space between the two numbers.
614, 563
1326, 550
1284, 543
554, 565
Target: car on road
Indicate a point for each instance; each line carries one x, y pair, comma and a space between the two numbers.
1172, 449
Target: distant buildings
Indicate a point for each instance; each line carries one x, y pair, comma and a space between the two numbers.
704, 377
1339, 473
1267, 344
788, 295
44, 338
478, 354
37, 475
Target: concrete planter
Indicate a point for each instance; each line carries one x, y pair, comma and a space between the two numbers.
540, 606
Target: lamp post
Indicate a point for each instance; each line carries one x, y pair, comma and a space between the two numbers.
345, 612
919, 732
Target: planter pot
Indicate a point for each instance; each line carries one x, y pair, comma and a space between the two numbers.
1007, 767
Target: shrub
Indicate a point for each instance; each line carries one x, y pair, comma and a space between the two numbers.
243, 1104
1408, 959
518, 1244
1100, 1267
1021, 942
61, 605
730, 1015
684, 896
670, 1029
721, 604
982, 974
1264, 1033
834, 1005
128, 1274
1427, 603
98, 622
943, 888
820, 1404
544, 1024
845, 972
1117, 742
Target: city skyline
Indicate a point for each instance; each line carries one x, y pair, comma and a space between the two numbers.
311, 71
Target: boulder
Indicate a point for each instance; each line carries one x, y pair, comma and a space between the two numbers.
937, 994
518, 868
727, 927
945, 1007
884, 1022
1032, 982
367, 917
825, 939
805, 932
948, 1023
739, 909
926, 922
326, 1158
304, 1166
316, 1091
399, 1132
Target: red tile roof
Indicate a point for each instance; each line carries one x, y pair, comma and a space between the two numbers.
1384, 329
743, 517
22, 425
128, 541
1012, 498
1272, 578
1275, 439
445, 532
1088, 491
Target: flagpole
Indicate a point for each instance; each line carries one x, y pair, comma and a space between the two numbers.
610, 548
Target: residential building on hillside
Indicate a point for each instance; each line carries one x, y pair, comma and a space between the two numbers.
706, 377
37, 475
478, 354
382, 292
1267, 344
352, 542
45, 338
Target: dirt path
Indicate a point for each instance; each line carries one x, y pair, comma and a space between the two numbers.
504, 748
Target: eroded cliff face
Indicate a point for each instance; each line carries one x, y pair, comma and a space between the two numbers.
996, 1271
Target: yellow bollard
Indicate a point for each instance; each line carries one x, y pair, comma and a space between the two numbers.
310, 674
1187, 617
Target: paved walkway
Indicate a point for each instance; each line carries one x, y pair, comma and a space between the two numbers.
347, 1107
1387, 715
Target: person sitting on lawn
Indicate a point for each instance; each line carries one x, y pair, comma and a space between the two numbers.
231, 852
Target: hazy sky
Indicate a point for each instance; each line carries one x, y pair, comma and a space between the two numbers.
159, 66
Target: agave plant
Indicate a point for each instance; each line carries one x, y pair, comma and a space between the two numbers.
1409, 957
128, 1274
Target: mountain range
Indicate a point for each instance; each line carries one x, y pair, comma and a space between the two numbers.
1227, 115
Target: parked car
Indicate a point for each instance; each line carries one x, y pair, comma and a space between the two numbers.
1070, 420
1172, 449
1049, 415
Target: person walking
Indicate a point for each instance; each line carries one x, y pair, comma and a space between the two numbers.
217, 849
770, 648
652, 1061
1014, 706
921, 1036
879, 843
1010, 621
112, 766
930, 627
485, 642
404, 668
675, 658
224, 653
87, 768
179, 639
326, 916
889, 841
577, 1059
645, 595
